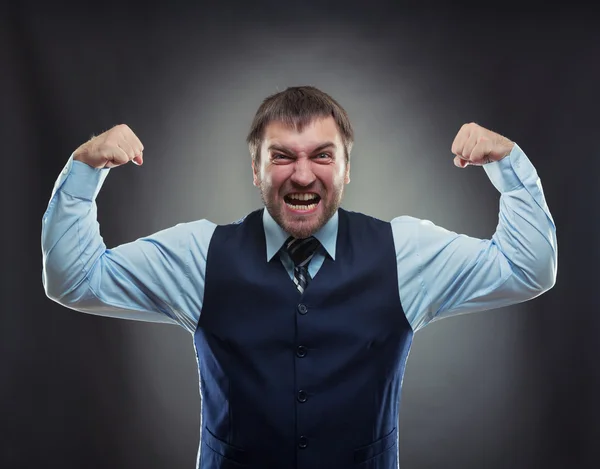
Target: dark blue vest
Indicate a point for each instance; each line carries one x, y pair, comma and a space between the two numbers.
301, 382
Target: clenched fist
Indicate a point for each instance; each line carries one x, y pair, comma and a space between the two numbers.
475, 145
112, 148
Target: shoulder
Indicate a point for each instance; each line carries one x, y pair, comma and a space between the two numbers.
414, 234
360, 218
405, 227
195, 233
248, 227
252, 219
203, 225
401, 222
406, 221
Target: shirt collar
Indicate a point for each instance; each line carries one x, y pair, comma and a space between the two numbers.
276, 236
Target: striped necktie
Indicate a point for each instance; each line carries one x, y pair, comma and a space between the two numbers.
301, 251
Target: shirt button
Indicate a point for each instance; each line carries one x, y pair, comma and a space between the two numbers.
302, 396
301, 351
302, 309
302, 442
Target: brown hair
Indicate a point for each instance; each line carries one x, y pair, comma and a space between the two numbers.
297, 106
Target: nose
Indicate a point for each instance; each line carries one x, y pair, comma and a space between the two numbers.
303, 174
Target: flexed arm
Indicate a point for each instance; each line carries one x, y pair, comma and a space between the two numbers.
147, 279
442, 273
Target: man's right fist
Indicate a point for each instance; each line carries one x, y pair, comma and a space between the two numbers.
112, 148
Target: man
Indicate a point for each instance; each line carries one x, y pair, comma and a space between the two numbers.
302, 314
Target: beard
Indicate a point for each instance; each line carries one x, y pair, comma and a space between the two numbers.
299, 226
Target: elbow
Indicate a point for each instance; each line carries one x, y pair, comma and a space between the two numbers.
548, 269
52, 289
68, 297
57, 286
541, 276
546, 280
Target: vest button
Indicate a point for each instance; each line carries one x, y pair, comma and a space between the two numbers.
302, 442
302, 396
302, 309
301, 351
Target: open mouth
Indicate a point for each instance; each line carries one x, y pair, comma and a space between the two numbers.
303, 202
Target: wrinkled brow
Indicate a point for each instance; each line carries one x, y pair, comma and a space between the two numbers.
289, 151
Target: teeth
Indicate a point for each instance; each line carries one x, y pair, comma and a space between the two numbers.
302, 196
302, 207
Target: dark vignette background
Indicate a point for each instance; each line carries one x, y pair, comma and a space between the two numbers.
516, 387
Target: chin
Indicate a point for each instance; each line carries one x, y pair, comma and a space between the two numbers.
302, 229
298, 225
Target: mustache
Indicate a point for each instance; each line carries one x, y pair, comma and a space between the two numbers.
315, 187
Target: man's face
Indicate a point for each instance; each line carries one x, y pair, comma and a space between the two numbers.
301, 175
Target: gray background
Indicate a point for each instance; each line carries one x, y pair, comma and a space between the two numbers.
515, 387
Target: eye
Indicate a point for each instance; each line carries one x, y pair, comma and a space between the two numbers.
279, 156
323, 156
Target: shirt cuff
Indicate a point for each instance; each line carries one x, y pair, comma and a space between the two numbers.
511, 172
80, 180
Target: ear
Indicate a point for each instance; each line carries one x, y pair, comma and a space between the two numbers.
255, 178
347, 175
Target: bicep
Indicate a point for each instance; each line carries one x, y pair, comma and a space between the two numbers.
158, 278
443, 273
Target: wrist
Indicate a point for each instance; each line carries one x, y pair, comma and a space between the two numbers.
82, 154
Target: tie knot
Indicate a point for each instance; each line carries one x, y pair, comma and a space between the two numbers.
301, 250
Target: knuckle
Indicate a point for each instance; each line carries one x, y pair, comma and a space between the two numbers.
112, 134
121, 130
116, 156
104, 151
114, 130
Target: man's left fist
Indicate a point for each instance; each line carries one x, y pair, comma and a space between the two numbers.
475, 145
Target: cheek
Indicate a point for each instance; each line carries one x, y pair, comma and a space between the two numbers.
272, 180
335, 179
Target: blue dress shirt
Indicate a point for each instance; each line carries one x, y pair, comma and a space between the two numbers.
160, 278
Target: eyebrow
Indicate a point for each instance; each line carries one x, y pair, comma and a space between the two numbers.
283, 149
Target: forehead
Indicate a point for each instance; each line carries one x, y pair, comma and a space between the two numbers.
318, 131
